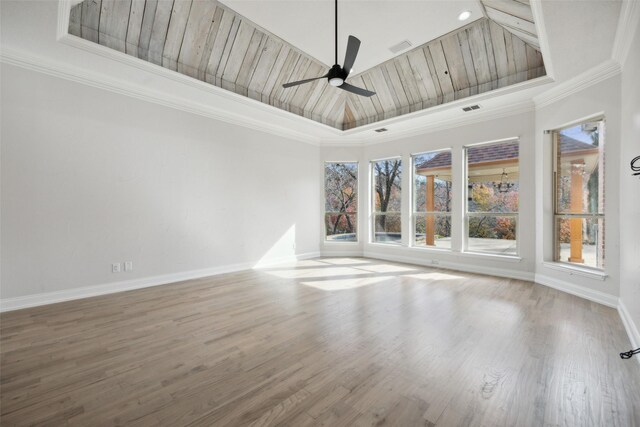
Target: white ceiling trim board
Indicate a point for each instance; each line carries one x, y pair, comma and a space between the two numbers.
38, 64
479, 117
543, 39
592, 76
627, 27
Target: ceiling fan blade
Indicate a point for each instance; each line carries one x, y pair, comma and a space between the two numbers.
301, 82
357, 90
353, 45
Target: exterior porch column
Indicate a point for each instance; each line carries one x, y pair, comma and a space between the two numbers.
577, 205
431, 220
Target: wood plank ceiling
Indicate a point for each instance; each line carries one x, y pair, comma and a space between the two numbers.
207, 41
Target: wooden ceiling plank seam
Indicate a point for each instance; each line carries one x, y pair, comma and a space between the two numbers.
284, 75
382, 89
490, 53
479, 54
324, 99
148, 19
368, 84
226, 24
499, 49
90, 29
511, 60
467, 58
175, 34
75, 20
520, 54
302, 94
237, 52
348, 119
314, 98
135, 26
442, 70
112, 30
256, 60
196, 35
422, 74
526, 37
357, 109
159, 31
513, 8
455, 62
533, 61
249, 61
268, 58
393, 77
209, 44
298, 73
224, 59
433, 74
407, 79
332, 106
274, 73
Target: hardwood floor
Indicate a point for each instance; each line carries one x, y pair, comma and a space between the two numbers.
331, 341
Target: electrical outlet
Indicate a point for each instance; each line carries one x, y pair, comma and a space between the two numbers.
115, 268
128, 265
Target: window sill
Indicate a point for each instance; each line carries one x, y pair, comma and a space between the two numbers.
497, 257
575, 270
428, 249
387, 244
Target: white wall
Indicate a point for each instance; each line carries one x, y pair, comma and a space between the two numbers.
630, 187
520, 126
602, 98
90, 177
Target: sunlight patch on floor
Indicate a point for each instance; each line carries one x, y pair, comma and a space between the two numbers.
344, 284
433, 276
343, 261
316, 272
386, 268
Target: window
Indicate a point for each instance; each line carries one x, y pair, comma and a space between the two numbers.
492, 197
387, 189
432, 199
579, 194
341, 201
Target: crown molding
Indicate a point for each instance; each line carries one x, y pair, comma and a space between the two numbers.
101, 81
627, 26
453, 122
592, 76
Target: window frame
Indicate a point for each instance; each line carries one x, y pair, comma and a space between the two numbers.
325, 212
466, 215
372, 203
414, 214
556, 259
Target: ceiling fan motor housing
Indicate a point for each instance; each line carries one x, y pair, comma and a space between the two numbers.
337, 75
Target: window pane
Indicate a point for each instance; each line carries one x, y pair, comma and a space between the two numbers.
493, 176
580, 241
387, 185
341, 187
433, 231
580, 161
494, 234
387, 228
432, 181
341, 227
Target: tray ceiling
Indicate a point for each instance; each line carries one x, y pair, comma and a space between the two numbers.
206, 40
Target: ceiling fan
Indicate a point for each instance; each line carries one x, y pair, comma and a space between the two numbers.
337, 74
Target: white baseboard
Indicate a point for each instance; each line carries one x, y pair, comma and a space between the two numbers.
427, 262
629, 326
9, 304
580, 291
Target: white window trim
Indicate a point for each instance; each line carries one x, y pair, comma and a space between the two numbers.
372, 207
466, 216
324, 212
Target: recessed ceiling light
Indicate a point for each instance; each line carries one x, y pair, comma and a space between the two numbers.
464, 15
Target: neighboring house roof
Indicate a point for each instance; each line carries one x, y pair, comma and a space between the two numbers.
497, 152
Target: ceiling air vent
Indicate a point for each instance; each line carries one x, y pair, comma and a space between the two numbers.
382, 130
471, 108
403, 45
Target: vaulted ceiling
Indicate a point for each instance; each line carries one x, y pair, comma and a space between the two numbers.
206, 40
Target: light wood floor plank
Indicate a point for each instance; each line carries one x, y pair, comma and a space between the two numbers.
329, 341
